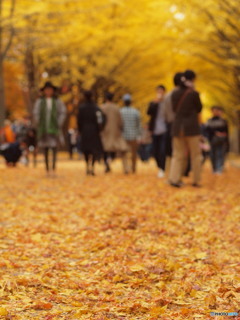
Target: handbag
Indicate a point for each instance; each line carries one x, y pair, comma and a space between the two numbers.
204, 145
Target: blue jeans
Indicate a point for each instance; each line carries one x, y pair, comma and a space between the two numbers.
145, 151
217, 155
159, 150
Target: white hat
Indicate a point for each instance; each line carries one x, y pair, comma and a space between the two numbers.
127, 97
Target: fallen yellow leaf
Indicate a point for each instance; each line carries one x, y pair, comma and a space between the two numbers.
3, 311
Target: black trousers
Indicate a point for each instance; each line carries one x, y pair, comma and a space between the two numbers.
159, 150
90, 160
47, 160
169, 140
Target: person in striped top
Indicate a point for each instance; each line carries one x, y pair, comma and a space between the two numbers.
131, 129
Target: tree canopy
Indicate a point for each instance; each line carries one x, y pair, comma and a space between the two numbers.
126, 45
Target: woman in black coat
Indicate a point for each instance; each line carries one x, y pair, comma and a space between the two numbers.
90, 121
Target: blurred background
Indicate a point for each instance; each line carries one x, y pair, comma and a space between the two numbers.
118, 45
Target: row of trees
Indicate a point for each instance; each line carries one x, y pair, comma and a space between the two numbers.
123, 45
213, 31
6, 37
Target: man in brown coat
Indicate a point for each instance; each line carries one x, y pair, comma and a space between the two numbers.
112, 138
186, 130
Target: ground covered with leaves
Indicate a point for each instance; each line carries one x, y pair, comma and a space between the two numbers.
117, 247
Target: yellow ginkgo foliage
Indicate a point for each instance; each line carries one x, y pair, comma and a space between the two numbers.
129, 45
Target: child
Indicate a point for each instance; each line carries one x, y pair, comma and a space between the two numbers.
12, 152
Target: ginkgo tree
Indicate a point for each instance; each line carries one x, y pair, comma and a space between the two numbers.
212, 30
6, 37
133, 46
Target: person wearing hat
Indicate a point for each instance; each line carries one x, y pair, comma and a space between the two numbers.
131, 130
49, 115
186, 131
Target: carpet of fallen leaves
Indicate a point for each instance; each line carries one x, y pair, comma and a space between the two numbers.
117, 247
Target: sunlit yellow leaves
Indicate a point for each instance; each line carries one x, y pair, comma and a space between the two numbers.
77, 304
116, 247
36, 237
111, 44
3, 311
81, 312
43, 306
200, 255
157, 311
136, 268
210, 300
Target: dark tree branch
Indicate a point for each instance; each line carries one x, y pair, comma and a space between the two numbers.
13, 4
12, 32
226, 6
9, 43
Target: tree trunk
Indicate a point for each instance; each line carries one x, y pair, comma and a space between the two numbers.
2, 96
238, 130
31, 78
3, 54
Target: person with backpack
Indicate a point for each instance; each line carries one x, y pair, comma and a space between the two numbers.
186, 131
91, 122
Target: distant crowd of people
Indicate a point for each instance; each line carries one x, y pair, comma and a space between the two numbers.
174, 132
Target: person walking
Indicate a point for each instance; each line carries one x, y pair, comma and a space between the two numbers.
90, 121
217, 132
158, 128
169, 114
49, 114
186, 130
112, 139
131, 130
